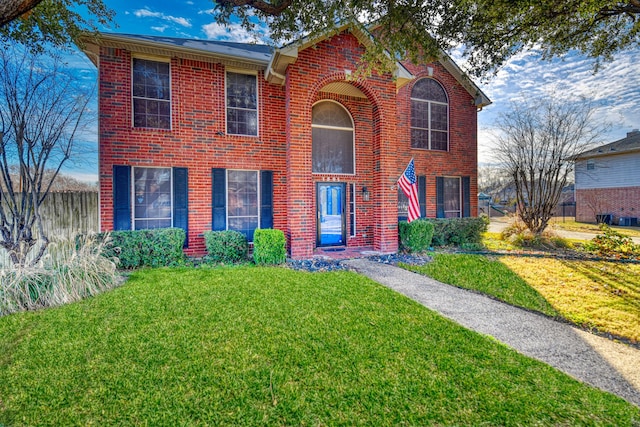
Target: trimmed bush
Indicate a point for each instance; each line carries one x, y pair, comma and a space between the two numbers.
148, 248
226, 246
458, 231
415, 236
269, 247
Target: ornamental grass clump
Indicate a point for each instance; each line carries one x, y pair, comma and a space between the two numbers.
70, 271
519, 235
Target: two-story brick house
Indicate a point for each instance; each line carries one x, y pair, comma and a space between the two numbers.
608, 182
216, 135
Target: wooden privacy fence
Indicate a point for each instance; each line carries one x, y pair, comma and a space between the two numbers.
66, 214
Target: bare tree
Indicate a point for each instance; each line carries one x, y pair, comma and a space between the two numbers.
494, 180
60, 182
537, 144
42, 114
596, 204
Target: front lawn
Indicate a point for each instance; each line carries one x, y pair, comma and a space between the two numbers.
593, 294
569, 224
270, 346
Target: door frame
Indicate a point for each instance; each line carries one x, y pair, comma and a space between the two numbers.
343, 213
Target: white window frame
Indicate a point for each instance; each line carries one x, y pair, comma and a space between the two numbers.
353, 134
258, 195
591, 164
354, 191
226, 107
133, 195
459, 196
429, 130
170, 100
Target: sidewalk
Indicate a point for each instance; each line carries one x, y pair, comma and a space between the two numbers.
610, 366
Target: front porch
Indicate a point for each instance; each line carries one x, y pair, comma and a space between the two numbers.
344, 252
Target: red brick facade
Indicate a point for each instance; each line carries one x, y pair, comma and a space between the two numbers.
197, 140
619, 202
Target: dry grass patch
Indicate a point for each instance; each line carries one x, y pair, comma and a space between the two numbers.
569, 224
594, 294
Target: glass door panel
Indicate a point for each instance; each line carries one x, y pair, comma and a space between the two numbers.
331, 214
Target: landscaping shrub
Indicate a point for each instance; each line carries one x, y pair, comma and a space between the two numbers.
415, 236
69, 271
458, 231
226, 246
612, 244
519, 235
269, 247
148, 248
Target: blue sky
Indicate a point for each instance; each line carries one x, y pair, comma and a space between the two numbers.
615, 88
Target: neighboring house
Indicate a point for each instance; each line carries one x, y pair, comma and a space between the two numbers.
209, 135
608, 181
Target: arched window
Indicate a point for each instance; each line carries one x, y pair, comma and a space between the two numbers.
429, 116
332, 139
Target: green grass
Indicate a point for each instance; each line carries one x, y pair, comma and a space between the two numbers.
487, 275
592, 294
269, 346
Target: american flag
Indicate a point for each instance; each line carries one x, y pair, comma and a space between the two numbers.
410, 188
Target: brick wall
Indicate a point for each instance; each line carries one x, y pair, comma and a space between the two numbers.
620, 202
462, 157
197, 140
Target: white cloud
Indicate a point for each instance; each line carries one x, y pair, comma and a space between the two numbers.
207, 12
614, 89
160, 29
146, 13
234, 33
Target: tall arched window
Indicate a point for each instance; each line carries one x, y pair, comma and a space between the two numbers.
332, 139
429, 116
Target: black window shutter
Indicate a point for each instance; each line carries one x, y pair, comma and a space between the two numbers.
466, 196
439, 197
266, 199
181, 200
121, 197
219, 199
422, 195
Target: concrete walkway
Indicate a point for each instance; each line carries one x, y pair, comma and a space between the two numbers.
610, 366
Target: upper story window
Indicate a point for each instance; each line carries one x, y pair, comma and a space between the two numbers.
429, 116
242, 104
332, 139
591, 164
151, 94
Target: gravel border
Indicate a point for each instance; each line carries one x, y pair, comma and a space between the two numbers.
324, 264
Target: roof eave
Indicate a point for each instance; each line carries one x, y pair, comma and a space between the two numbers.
92, 46
480, 98
591, 154
287, 55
